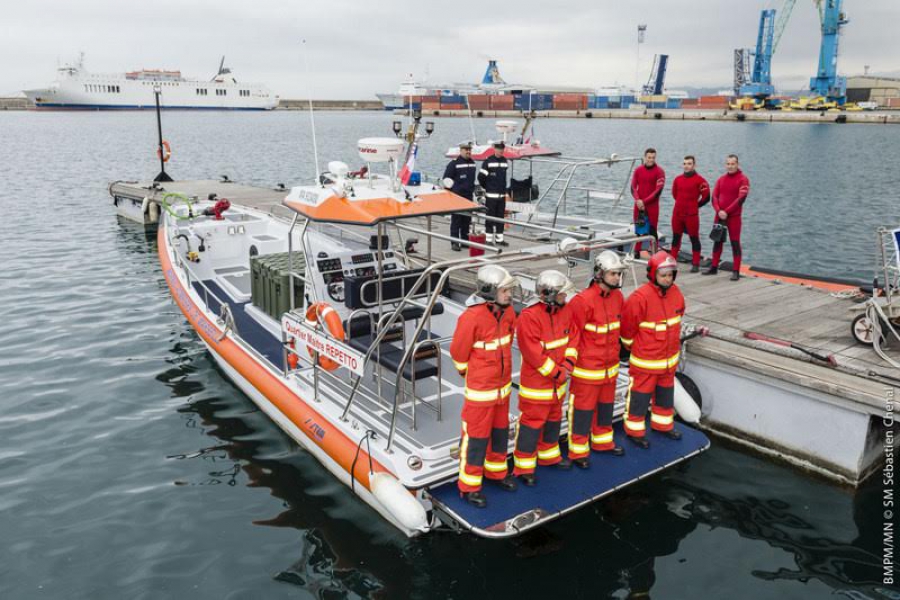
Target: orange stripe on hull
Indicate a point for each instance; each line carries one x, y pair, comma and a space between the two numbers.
316, 427
748, 271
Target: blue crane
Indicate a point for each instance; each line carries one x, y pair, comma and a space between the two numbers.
827, 83
757, 83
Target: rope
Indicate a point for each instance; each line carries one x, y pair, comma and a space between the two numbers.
365, 438
877, 317
164, 202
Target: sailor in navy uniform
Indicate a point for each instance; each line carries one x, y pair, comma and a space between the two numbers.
493, 178
462, 171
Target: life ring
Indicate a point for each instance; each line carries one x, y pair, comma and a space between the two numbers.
168, 152
332, 323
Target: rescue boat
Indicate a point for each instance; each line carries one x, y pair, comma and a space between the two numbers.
328, 319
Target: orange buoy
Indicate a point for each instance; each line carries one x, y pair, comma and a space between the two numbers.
333, 323
168, 152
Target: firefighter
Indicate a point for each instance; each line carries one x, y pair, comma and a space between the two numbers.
482, 352
493, 178
691, 192
651, 330
646, 188
460, 177
728, 199
545, 343
596, 314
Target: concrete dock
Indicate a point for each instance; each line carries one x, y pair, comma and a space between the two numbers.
773, 400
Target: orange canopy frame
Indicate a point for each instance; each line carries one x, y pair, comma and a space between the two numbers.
348, 211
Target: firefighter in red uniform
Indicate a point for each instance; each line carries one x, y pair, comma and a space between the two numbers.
596, 313
482, 352
646, 188
691, 192
651, 329
728, 198
548, 354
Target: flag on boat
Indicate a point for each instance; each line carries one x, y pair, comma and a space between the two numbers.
410, 166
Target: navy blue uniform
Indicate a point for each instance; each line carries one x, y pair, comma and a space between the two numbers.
493, 178
462, 172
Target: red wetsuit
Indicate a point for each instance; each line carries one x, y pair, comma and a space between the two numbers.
647, 185
690, 193
729, 195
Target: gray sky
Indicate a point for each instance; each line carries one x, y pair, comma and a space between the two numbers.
359, 47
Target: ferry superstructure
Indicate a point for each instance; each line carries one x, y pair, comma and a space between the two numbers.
76, 88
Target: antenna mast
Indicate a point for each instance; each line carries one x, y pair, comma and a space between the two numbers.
312, 120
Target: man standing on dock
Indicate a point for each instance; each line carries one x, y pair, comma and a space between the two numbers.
493, 178
482, 353
462, 172
646, 187
596, 314
651, 330
546, 341
691, 192
728, 199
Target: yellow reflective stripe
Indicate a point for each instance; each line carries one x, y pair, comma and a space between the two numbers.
494, 467
460, 366
579, 448
525, 463
635, 425
572, 353
488, 395
661, 325
494, 343
547, 368
626, 341
541, 393
662, 419
602, 328
551, 453
658, 365
598, 374
603, 438
674, 321
555, 343
473, 480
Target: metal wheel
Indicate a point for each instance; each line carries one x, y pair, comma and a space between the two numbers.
863, 330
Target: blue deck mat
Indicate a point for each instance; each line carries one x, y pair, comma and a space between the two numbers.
248, 328
558, 490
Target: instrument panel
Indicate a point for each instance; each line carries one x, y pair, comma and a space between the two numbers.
333, 269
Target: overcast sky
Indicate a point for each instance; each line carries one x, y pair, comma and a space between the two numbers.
359, 47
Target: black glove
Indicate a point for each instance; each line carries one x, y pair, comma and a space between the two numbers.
624, 354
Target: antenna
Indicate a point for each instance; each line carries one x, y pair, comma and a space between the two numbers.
471, 122
312, 120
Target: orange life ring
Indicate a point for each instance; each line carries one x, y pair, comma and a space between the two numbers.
168, 154
332, 323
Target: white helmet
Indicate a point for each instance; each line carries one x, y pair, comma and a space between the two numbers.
608, 262
491, 279
550, 284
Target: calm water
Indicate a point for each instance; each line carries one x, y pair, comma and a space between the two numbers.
131, 468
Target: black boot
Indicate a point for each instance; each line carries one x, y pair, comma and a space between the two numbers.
672, 434
735, 275
711, 271
582, 463
476, 499
502, 243
640, 442
695, 268
455, 247
508, 483
528, 479
617, 451
564, 465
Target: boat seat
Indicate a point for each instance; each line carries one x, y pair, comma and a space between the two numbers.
361, 324
361, 292
390, 355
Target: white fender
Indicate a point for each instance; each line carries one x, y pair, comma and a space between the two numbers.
398, 501
685, 406
154, 212
144, 204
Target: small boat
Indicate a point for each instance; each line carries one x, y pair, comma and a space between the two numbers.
327, 317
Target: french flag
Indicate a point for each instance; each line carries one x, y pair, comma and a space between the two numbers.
410, 165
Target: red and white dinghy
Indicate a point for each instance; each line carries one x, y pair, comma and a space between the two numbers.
527, 148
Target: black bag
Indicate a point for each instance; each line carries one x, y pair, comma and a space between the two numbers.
719, 233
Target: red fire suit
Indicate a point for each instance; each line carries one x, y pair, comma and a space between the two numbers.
545, 342
690, 192
651, 328
729, 195
647, 185
596, 316
482, 351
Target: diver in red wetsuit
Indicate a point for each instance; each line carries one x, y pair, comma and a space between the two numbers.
646, 188
728, 199
691, 191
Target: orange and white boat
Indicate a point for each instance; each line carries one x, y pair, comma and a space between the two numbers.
331, 323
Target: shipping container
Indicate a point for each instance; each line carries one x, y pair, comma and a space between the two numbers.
569, 101
431, 99
502, 102
479, 101
452, 99
431, 106
533, 101
600, 102
690, 103
673, 103
454, 106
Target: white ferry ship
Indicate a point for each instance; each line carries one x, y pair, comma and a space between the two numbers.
77, 88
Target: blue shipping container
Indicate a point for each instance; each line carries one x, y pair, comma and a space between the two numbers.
533, 102
600, 102
615, 104
673, 103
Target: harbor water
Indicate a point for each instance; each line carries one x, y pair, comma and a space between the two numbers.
130, 467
